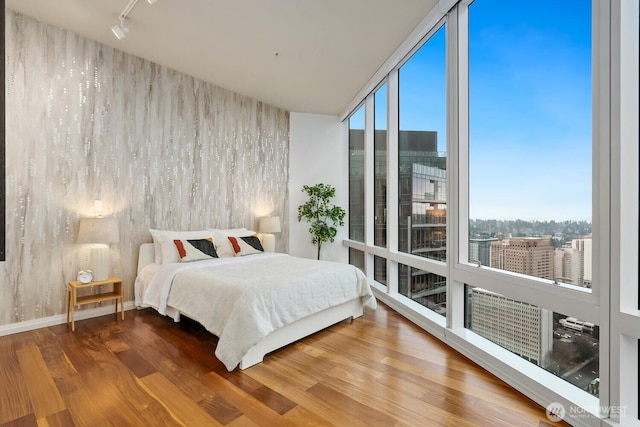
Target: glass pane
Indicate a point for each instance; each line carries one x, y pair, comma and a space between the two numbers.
422, 177
356, 175
427, 289
380, 160
530, 139
380, 270
356, 258
563, 345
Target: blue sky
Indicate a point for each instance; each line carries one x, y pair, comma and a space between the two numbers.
530, 107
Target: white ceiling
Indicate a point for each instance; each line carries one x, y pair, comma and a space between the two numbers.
327, 49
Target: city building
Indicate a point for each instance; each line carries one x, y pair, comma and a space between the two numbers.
480, 250
521, 328
422, 209
532, 256
572, 263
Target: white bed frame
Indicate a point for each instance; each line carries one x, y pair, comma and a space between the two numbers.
287, 334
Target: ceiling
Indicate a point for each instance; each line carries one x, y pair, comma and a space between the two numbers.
308, 56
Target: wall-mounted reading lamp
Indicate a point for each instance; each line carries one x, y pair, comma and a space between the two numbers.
120, 30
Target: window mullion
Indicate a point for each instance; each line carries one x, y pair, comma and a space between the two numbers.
457, 210
392, 177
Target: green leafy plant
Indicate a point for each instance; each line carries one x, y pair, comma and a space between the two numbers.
321, 214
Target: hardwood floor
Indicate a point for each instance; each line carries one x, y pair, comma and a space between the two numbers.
379, 370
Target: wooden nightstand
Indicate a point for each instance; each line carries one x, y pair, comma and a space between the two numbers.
116, 294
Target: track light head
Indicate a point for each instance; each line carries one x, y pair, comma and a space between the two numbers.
120, 31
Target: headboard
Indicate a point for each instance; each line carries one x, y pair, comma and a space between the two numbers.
146, 255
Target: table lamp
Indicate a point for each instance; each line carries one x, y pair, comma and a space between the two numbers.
268, 225
100, 232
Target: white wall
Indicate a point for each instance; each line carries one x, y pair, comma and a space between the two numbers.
317, 154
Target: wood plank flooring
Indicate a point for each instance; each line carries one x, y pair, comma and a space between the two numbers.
378, 370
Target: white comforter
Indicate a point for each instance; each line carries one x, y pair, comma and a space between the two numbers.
242, 300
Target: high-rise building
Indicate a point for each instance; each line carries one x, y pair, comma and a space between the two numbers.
585, 246
423, 212
480, 250
572, 263
422, 208
522, 328
532, 256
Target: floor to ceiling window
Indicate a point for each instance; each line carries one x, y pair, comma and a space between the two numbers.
380, 165
380, 181
530, 138
356, 175
510, 156
356, 185
530, 175
422, 139
422, 170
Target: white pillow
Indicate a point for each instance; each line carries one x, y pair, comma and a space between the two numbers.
196, 249
168, 249
245, 245
223, 246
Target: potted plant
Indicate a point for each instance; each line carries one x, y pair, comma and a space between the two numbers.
321, 214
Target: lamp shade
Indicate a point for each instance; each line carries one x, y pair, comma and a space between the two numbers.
98, 230
269, 224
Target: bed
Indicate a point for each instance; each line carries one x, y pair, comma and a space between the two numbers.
254, 304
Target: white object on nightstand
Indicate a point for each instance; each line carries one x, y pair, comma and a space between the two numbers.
85, 276
99, 232
267, 226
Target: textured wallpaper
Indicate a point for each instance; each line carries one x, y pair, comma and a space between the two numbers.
159, 148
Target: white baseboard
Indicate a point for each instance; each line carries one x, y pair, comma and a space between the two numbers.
60, 319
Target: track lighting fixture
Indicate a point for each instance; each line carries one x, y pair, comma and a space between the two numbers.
120, 31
